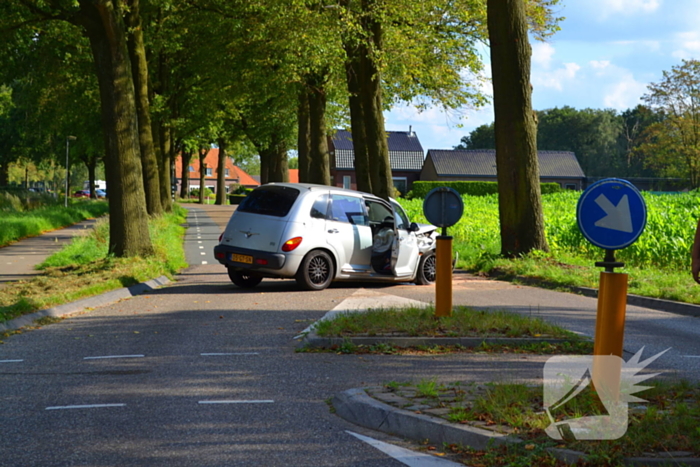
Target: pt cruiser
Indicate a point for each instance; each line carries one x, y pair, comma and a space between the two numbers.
318, 234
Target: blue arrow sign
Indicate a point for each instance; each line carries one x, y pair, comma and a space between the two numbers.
611, 214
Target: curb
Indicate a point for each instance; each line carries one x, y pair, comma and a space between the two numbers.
680, 308
68, 309
312, 340
355, 406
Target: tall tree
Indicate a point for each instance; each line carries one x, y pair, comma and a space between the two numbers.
519, 197
675, 140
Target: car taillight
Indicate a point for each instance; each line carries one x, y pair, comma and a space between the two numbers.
291, 244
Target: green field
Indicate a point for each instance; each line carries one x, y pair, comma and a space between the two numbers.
658, 262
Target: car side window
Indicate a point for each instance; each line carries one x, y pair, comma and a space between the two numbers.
320, 208
348, 209
377, 212
401, 218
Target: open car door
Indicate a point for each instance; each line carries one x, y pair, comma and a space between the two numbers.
404, 250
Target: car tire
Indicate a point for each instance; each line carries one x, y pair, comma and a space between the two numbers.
243, 279
316, 271
426, 269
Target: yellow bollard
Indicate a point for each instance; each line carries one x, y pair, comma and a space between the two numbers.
443, 279
610, 329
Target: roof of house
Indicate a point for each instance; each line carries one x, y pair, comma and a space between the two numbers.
405, 150
212, 161
482, 162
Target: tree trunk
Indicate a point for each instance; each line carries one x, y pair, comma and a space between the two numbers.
359, 140
319, 167
4, 174
165, 166
303, 135
185, 158
91, 164
278, 154
128, 225
221, 174
519, 198
139, 71
371, 97
202, 174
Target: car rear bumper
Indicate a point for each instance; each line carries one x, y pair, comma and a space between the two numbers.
259, 259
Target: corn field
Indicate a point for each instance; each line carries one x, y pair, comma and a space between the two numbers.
665, 243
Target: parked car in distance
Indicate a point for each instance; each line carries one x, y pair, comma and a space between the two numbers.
81, 194
318, 234
100, 193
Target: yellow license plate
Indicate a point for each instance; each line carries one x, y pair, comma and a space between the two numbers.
242, 259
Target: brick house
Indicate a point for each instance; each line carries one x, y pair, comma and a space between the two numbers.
405, 155
560, 167
234, 175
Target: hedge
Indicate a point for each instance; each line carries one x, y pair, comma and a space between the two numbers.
421, 188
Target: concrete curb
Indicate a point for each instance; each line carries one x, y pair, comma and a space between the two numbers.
355, 406
680, 308
91, 302
312, 340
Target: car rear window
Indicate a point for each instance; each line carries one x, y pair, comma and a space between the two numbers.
270, 201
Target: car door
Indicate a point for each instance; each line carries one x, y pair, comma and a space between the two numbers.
404, 252
349, 234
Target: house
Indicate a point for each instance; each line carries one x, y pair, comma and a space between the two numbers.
234, 175
560, 167
405, 155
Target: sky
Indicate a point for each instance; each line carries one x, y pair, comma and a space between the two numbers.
604, 57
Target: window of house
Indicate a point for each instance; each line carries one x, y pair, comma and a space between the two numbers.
226, 172
570, 186
210, 171
190, 169
347, 181
401, 184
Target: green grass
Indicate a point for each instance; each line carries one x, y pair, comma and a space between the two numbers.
658, 263
668, 421
84, 269
17, 225
464, 322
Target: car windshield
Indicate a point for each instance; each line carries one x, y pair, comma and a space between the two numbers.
270, 201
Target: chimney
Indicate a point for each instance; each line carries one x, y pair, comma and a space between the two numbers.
410, 130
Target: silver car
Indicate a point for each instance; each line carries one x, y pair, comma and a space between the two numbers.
318, 234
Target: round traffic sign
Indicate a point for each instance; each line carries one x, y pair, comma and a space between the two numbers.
611, 214
443, 206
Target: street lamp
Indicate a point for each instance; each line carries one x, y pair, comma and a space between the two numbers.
68, 140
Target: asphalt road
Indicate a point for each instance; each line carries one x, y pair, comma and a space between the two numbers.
201, 373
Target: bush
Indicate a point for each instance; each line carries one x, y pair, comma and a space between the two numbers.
421, 188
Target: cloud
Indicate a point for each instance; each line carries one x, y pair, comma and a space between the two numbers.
689, 43
624, 94
608, 8
555, 79
542, 54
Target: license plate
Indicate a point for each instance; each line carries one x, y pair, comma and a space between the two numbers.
242, 259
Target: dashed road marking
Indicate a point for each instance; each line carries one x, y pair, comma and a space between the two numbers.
204, 262
113, 356
225, 354
238, 402
92, 406
11, 361
203, 253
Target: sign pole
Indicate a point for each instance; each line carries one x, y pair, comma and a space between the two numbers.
443, 276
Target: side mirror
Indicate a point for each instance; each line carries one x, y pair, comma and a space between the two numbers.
413, 227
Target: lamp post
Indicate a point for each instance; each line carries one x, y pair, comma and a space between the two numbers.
68, 140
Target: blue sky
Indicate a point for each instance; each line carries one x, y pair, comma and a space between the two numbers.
605, 55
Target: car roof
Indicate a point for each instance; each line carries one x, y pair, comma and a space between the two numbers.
315, 187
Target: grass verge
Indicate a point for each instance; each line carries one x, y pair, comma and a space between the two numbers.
464, 322
84, 269
17, 225
667, 423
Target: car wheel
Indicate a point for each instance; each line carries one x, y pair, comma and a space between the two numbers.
316, 271
244, 280
426, 269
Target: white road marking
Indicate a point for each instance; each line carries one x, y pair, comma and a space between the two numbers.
11, 361
202, 253
223, 354
199, 242
204, 262
405, 456
691, 356
93, 406
238, 402
201, 247
199, 236
113, 356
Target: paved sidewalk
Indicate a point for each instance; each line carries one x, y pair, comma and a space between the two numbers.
18, 260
